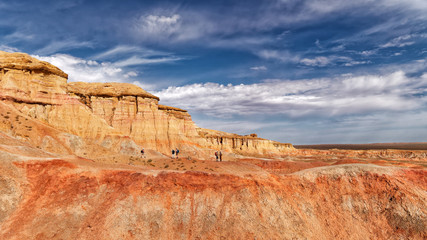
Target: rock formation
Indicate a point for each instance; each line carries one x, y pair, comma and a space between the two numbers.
71, 168
107, 113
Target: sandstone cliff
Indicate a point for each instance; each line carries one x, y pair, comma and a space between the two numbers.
37, 92
118, 116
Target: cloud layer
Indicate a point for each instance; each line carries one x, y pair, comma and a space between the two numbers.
346, 95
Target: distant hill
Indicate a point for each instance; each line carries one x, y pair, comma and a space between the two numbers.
368, 146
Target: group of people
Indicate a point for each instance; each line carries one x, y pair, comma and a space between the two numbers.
218, 155
175, 153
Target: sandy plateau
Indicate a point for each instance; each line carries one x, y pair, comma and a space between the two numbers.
71, 168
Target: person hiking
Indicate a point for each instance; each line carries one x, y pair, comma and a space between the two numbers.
143, 153
216, 155
220, 156
176, 152
173, 153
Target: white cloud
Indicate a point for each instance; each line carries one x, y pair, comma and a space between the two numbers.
57, 46
162, 26
322, 97
135, 60
352, 63
283, 56
173, 27
322, 61
131, 74
367, 53
87, 70
400, 41
128, 50
316, 62
79, 69
259, 68
8, 48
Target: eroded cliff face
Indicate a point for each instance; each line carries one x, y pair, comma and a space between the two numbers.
36, 92
138, 114
117, 116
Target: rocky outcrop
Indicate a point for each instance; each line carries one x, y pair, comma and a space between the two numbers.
137, 114
248, 144
37, 92
109, 113
28, 80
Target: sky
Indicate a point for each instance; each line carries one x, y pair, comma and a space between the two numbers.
298, 71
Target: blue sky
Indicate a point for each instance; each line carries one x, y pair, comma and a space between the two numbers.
317, 71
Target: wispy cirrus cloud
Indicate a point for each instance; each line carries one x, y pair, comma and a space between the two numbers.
135, 60
61, 46
8, 48
126, 50
259, 68
128, 55
403, 41
316, 61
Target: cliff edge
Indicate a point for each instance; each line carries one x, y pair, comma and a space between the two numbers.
118, 117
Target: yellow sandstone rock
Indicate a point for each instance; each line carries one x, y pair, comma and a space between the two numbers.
119, 117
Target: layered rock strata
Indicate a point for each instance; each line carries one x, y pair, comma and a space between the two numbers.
111, 113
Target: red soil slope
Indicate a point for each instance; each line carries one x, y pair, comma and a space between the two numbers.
44, 197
